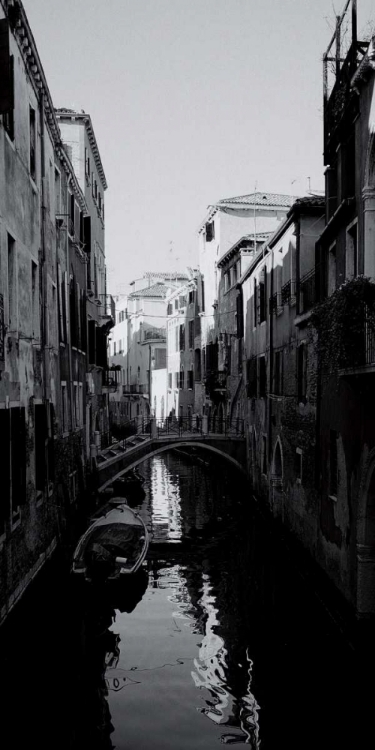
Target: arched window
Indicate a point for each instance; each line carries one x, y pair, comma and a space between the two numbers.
277, 461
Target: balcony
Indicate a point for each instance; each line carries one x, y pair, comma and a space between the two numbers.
345, 323
215, 383
306, 292
107, 310
288, 293
111, 379
135, 389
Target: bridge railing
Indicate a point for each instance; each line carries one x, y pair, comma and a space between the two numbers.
199, 425
125, 435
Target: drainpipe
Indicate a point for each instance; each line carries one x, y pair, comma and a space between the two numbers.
271, 377
67, 292
43, 269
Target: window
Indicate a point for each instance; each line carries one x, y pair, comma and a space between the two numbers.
234, 274
251, 377
182, 300
191, 334
190, 379
333, 466
57, 192
62, 304
197, 365
177, 339
226, 281
203, 298
351, 270
12, 283
169, 380
264, 455
176, 379
255, 306
301, 373
87, 163
239, 315
6, 80
114, 348
182, 337
298, 465
191, 296
263, 295
34, 299
176, 304
278, 372
210, 231
262, 377
181, 380
71, 214
64, 408
332, 269
32, 135
92, 185
18, 459
41, 438
5, 468
169, 309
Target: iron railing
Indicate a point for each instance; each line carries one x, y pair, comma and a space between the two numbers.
307, 292
200, 425
287, 292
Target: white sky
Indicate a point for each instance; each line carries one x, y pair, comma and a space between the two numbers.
191, 101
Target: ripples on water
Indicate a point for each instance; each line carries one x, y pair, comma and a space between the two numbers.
217, 643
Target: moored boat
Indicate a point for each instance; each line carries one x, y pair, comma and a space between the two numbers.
130, 485
114, 545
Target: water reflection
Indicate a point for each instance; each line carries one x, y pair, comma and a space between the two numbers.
97, 607
219, 642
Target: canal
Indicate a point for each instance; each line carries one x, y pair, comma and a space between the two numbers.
218, 641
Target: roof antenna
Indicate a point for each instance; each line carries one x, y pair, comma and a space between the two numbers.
309, 181
255, 219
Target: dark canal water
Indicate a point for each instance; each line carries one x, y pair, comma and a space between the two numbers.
218, 641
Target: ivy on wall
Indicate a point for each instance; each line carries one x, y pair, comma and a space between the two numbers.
345, 324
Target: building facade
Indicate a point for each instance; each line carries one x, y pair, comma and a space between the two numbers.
182, 322
44, 252
139, 348
232, 229
80, 142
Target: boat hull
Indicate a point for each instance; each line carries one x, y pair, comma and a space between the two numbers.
114, 546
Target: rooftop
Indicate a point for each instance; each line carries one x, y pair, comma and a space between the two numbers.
155, 290
167, 275
64, 113
258, 199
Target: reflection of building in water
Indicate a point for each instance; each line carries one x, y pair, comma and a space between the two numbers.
99, 658
166, 511
227, 706
195, 503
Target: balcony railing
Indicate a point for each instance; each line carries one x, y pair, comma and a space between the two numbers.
369, 339
111, 379
288, 292
307, 292
134, 388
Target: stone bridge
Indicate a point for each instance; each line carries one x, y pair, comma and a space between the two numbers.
222, 438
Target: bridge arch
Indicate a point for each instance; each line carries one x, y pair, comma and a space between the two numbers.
172, 446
